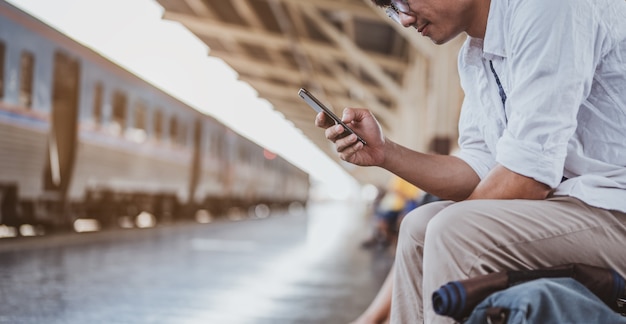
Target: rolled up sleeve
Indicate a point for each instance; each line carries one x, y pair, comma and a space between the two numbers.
473, 148
547, 49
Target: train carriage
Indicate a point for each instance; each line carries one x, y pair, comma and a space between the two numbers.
80, 137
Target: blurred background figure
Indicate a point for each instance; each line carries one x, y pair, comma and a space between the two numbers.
393, 201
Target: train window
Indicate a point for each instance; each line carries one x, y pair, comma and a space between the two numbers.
158, 125
2, 51
241, 154
27, 63
137, 132
97, 104
140, 115
118, 120
217, 147
182, 134
173, 130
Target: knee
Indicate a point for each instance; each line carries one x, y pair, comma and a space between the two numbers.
414, 224
457, 229
448, 220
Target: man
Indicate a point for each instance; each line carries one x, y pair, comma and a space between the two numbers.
540, 177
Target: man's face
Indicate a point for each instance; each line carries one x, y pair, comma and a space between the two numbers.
439, 20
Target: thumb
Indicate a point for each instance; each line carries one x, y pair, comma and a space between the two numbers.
353, 115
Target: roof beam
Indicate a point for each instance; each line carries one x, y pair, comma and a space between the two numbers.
365, 97
224, 31
365, 62
200, 8
263, 70
247, 12
350, 7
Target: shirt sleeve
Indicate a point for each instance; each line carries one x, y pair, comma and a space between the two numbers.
551, 61
473, 148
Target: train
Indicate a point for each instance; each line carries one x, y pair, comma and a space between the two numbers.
83, 138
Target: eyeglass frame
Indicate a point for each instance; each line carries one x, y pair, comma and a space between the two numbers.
401, 6
396, 7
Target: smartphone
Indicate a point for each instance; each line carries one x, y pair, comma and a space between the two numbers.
319, 107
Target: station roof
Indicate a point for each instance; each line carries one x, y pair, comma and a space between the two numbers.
346, 52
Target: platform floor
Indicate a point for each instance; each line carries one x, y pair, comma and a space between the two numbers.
305, 267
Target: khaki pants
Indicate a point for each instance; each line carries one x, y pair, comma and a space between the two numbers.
445, 241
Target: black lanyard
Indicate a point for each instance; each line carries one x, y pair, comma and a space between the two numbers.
500, 88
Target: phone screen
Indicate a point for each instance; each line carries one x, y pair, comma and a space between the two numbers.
319, 107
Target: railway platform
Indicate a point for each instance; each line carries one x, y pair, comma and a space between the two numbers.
299, 267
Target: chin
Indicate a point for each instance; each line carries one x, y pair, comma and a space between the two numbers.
441, 41
437, 41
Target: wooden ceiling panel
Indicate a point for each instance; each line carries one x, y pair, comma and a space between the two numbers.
226, 12
347, 52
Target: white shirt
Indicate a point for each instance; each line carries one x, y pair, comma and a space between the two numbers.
562, 64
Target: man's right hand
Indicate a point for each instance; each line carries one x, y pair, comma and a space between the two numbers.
445, 176
349, 148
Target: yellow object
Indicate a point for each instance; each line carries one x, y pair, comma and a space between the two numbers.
398, 193
403, 188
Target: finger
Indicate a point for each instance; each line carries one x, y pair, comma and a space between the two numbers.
348, 115
353, 115
346, 142
335, 133
351, 150
323, 121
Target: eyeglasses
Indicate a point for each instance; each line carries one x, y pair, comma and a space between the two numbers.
396, 7
401, 6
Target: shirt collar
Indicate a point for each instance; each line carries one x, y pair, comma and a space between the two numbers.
494, 44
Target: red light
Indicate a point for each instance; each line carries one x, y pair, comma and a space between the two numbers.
269, 155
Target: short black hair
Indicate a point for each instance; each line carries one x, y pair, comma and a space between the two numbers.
382, 3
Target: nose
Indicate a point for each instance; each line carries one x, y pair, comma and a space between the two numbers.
407, 20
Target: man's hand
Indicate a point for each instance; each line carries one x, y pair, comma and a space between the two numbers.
444, 176
349, 148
